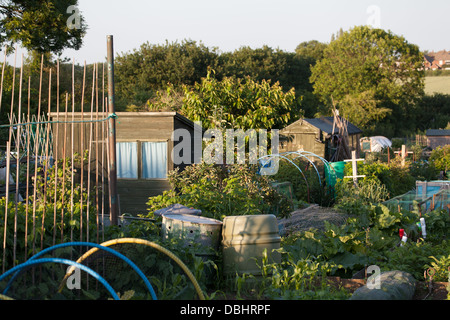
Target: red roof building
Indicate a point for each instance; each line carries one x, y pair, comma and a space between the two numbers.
437, 60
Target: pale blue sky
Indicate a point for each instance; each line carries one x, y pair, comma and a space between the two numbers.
230, 24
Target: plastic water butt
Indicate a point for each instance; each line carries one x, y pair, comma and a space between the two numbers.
244, 240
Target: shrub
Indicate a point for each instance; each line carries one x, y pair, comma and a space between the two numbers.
355, 199
440, 157
221, 191
424, 171
397, 179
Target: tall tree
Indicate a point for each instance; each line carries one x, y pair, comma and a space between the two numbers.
372, 72
143, 72
311, 50
240, 103
44, 26
307, 54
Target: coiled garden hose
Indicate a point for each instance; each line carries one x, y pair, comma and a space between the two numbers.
109, 250
87, 244
155, 246
63, 261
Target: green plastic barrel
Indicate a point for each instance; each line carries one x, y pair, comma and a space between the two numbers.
245, 238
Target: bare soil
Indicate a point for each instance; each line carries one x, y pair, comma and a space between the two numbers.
438, 289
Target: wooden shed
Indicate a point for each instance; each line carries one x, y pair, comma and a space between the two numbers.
437, 138
317, 136
143, 151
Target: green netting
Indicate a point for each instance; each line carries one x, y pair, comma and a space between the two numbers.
425, 201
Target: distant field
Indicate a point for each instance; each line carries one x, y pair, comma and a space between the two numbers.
437, 85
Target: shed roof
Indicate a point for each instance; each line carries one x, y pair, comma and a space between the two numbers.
437, 132
326, 125
87, 115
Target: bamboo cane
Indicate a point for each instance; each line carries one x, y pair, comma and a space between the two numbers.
88, 200
82, 153
103, 152
1, 84
96, 154
64, 169
55, 155
72, 155
19, 127
28, 169
8, 162
11, 119
46, 160
36, 160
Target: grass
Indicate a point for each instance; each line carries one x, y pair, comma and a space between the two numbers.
437, 85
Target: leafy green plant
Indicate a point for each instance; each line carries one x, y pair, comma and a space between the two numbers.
36, 220
424, 170
441, 266
365, 193
440, 157
304, 279
221, 191
238, 103
397, 179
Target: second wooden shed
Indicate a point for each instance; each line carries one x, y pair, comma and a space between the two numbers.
315, 135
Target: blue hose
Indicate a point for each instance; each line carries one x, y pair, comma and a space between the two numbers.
63, 261
89, 244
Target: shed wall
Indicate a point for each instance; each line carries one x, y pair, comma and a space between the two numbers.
130, 127
437, 141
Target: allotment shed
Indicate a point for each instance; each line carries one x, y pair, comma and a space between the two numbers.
319, 136
437, 138
143, 150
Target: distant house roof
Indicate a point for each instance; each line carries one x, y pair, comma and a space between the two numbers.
326, 125
437, 132
436, 60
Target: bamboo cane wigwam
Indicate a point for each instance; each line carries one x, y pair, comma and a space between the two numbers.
55, 183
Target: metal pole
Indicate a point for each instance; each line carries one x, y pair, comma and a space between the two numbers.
113, 203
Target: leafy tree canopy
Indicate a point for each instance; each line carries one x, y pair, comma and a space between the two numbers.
372, 72
152, 67
239, 103
42, 26
312, 50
